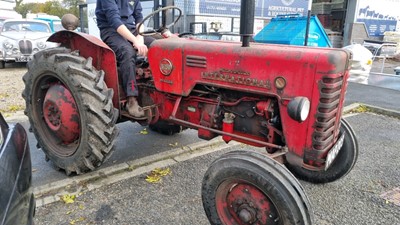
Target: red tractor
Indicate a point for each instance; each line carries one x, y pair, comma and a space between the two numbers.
288, 99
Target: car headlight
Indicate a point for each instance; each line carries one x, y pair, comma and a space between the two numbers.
7, 45
299, 108
41, 45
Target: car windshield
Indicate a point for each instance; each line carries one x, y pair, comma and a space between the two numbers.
25, 26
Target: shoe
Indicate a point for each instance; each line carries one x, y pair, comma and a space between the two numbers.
133, 108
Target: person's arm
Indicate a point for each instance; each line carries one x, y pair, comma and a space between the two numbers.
137, 42
111, 10
138, 16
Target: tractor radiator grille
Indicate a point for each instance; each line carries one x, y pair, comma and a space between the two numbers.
25, 47
196, 61
328, 110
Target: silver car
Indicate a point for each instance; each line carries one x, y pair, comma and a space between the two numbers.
20, 39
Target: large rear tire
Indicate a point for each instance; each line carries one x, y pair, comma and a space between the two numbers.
249, 188
341, 166
70, 110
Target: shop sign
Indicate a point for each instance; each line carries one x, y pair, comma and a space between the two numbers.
264, 8
378, 16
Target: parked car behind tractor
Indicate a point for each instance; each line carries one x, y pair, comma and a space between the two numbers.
287, 99
20, 39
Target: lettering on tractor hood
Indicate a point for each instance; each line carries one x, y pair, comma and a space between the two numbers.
236, 77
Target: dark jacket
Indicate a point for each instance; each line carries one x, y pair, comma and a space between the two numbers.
114, 13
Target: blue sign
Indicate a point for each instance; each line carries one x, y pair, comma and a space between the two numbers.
226, 7
272, 8
377, 27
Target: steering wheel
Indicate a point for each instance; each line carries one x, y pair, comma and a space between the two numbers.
163, 27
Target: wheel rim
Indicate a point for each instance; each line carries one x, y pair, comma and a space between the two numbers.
57, 108
240, 202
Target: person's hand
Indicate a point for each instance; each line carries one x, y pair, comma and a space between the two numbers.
142, 49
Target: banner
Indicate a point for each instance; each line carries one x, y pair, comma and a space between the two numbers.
272, 8
264, 8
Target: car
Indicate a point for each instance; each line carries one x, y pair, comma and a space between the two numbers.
20, 39
55, 23
17, 202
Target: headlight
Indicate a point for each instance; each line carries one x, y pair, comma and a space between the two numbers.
299, 108
7, 45
41, 45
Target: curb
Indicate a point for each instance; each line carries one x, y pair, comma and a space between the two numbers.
17, 116
348, 110
52, 192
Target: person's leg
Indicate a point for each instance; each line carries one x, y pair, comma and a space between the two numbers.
126, 56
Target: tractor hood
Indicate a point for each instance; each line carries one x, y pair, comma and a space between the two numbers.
179, 64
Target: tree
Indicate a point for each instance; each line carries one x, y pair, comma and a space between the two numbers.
73, 6
24, 9
53, 7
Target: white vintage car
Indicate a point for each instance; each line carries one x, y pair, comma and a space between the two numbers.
20, 39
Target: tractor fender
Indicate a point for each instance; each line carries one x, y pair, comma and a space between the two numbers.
103, 57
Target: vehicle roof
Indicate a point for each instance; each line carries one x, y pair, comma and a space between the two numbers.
25, 20
47, 19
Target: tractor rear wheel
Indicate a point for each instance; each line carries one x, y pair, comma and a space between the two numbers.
341, 166
250, 188
70, 110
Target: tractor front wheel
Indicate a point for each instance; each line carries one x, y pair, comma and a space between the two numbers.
70, 109
341, 166
250, 188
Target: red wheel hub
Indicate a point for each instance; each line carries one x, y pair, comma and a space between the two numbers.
61, 114
243, 203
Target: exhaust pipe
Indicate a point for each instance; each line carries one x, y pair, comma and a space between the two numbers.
247, 9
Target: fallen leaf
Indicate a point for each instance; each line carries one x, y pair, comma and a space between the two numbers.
81, 207
162, 172
156, 175
173, 144
68, 199
144, 131
153, 178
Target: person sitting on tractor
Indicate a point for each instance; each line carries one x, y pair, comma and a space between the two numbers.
117, 21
